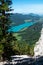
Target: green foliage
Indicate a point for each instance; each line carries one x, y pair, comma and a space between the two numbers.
22, 48
6, 38
32, 49
1, 50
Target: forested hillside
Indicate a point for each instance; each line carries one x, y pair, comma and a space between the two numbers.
28, 38
18, 19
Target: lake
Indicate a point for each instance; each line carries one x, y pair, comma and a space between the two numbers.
20, 27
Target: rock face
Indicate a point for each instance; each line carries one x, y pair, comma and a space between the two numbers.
38, 49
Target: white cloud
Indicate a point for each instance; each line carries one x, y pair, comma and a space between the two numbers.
29, 8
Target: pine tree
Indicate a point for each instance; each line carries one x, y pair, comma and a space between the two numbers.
5, 37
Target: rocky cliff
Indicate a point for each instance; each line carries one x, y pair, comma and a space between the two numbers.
38, 49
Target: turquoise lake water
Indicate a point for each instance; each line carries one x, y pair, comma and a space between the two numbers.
20, 27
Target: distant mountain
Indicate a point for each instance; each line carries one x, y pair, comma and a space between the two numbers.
20, 18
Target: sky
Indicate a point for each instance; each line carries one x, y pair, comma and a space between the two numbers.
28, 6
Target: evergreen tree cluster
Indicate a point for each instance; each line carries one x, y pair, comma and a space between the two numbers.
6, 38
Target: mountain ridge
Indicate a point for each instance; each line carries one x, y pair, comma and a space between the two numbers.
22, 18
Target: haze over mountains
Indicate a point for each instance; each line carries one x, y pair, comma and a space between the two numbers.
20, 18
